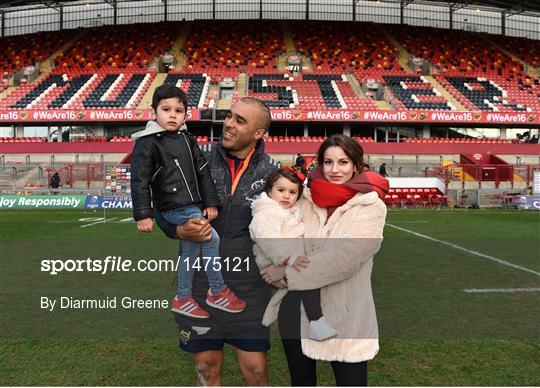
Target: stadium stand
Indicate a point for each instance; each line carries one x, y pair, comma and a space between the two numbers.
526, 49
462, 140
116, 139
358, 48
413, 92
127, 91
108, 67
472, 70
249, 47
409, 197
318, 139
307, 91
131, 47
453, 54
355, 74
16, 52
101, 90
195, 86
22, 139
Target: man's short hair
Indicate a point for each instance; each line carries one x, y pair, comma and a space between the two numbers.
267, 117
164, 92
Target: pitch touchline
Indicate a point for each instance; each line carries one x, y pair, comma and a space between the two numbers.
99, 222
413, 222
500, 290
479, 254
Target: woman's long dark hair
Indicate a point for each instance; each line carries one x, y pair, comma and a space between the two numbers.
351, 148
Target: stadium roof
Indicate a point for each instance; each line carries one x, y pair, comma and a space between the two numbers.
511, 6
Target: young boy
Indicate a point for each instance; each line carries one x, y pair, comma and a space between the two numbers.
169, 170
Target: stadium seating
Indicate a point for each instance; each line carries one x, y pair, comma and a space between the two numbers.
79, 91
195, 86
359, 47
107, 67
123, 96
413, 92
308, 91
16, 52
38, 92
68, 94
22, 139
87, 138
453, 54
461, 140
526, 49
408, 197
244, 46
330, 94
479, 93
116, 139
484, 94
295, 139
463, 58
317, 139
114, 48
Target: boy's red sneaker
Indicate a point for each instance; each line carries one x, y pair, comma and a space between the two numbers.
226, 301
188, 307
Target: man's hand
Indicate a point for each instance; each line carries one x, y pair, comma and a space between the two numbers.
301, 262
196, 229
272, 274
210, 213
145, 225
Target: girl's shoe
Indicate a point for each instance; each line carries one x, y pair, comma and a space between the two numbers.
321, 330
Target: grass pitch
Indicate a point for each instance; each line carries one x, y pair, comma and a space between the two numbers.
456, 293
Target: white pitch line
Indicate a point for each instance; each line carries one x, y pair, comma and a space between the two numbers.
406, 212
35, 212
98, 222
500, 290
475, 253
413, 222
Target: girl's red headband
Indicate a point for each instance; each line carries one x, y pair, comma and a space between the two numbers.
301, 176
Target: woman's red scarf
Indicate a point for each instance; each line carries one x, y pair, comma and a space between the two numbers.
330, 195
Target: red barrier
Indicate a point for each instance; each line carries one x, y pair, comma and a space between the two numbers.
285, 148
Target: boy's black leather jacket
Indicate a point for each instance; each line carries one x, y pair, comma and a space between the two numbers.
168, 169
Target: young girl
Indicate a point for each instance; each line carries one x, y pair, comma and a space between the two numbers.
277, 230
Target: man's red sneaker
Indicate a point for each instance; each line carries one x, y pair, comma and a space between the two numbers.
188, 307
226, 301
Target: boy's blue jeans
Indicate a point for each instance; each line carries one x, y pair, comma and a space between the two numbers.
192, 259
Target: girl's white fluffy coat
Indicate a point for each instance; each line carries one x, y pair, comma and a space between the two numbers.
271, 222
340, 250
277, 233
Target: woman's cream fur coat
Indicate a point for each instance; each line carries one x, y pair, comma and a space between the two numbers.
340, 250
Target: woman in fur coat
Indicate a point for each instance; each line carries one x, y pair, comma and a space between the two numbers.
277, 230
344, 217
